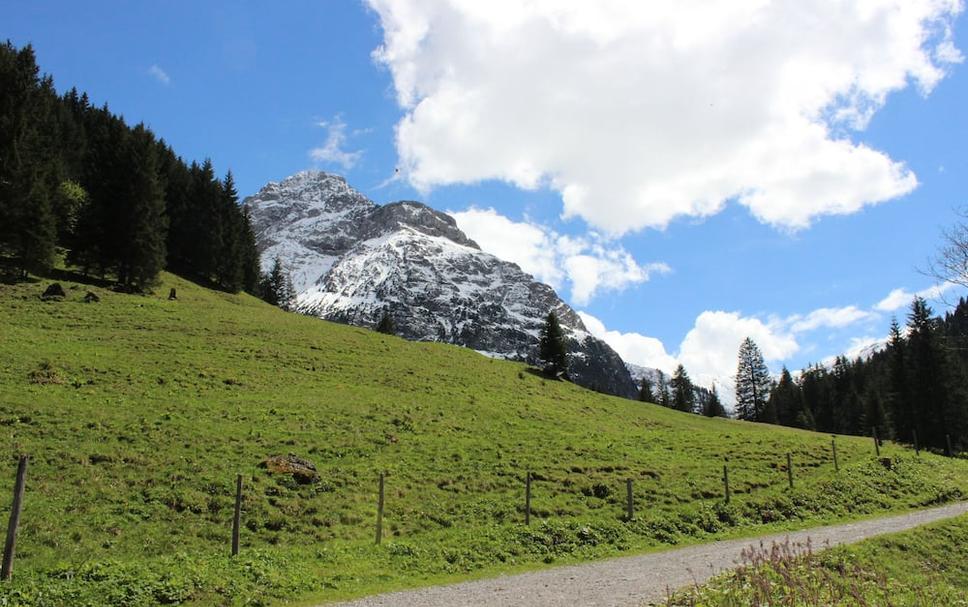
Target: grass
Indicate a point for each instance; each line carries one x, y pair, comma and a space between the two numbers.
138, 412
924, 567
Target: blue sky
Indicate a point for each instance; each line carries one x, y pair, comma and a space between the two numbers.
682, 194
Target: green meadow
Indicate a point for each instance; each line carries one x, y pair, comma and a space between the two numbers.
138, 413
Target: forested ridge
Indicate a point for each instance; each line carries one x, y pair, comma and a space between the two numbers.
114, 200
911, 390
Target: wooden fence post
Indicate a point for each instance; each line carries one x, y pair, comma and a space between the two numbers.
833, 446
629, 505
726, 482
877, 443
18, 500
527, 499
951, 452
917, 446
379, 512
790, 469
237, 518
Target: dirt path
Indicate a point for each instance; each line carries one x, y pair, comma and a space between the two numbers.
636, 580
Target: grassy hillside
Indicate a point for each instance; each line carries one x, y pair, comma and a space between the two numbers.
925, 567
138, 413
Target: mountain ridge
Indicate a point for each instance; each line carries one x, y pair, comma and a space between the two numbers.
353, 261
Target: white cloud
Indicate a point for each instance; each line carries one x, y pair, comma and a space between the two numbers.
590, 264
640, 112
832, 318
901, 298
709, 350
159, 74
632, 347
332, 151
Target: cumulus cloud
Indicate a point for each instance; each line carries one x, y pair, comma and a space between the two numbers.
901, 298
832, 318
632, 347
159, 74
333, 149
590, 264
709, 349
641, 112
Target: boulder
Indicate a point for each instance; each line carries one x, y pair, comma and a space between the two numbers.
91, 297
54, 291
302, 470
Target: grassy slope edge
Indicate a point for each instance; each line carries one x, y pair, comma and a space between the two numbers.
138, 412
923, 567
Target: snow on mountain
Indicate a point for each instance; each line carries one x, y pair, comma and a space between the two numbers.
353, 261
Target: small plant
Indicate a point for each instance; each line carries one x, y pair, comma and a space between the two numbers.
45, 374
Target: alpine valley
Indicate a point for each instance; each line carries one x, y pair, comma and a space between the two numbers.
353, 261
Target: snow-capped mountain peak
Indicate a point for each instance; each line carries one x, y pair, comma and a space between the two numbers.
354, 261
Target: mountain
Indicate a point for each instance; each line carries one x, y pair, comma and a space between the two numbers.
353, 261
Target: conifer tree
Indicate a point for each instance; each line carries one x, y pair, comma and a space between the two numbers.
662, 394
552, 348
250, 257
753, 383
683, 392
229, 266
274, 289
28, 229
141, 224
713, 406
786, 400
386, 325
645, 391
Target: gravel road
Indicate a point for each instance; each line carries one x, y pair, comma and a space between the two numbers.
635, 580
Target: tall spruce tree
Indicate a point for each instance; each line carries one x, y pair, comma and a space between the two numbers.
552, 348
713, 406
933, 379
386, 324
645, 391
275, 286
753, 383
141, 222
683, 392
786, 400
28, 228
251, 272
229, 266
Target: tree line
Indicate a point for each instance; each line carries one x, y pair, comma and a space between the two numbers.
679, 393
115, 200
915, 384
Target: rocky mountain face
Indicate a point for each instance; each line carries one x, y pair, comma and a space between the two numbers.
353, 261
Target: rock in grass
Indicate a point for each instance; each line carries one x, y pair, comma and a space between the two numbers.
91, 297
302, 470
54, 291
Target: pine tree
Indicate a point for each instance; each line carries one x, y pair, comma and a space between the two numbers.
250, 256
28, 228
683, 392
645, 391
274, 286
935, 387
141, 221
552, 348
662, 394
386, 324
786, 400
753, 383
229, 266
713, 407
